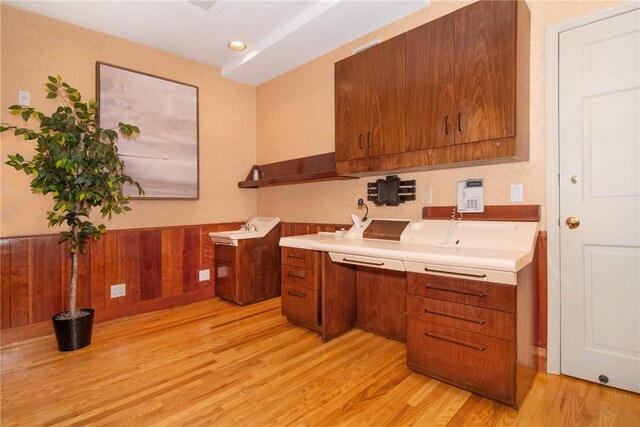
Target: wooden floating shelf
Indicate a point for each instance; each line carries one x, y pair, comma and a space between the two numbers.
321, 167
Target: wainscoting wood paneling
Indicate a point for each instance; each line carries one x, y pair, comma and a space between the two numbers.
301, 228
159, 266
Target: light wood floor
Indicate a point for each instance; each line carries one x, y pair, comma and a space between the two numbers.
212, 363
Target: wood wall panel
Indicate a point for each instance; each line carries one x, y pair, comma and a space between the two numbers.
97, 259
129, 265
159, 266
151, 264
191, 259
44, 278
5, 290
19, 282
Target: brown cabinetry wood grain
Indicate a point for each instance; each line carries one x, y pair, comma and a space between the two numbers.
485, 77
477, 335
482, 364
471, 292
369, 102
382, 302
430, 118
301, 306
466, 93
498, 324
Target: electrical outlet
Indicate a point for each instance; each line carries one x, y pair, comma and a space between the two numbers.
118, 290
204, 275
24, 98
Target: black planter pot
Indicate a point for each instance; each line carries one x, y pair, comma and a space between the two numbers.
73, 334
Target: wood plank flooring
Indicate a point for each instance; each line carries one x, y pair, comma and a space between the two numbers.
213, 363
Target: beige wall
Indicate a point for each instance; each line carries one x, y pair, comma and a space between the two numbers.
34, 47
292, 116
296, 118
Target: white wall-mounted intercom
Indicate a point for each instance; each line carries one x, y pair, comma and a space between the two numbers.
470, 196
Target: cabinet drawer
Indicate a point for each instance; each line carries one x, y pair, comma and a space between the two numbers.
470, 292
225, 253
301, 305
478, 363
303, 258
297, 276
498, 324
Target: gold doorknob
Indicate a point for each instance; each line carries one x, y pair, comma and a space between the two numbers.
572, 222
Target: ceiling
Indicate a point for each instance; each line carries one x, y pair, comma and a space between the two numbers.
280, 35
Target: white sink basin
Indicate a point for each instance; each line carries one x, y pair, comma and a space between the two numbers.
255, 228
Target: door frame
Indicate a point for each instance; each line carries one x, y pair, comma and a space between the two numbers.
552, 42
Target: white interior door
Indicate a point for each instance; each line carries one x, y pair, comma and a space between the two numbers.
599, 134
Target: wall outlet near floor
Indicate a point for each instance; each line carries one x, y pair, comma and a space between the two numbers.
204, 275
118, 290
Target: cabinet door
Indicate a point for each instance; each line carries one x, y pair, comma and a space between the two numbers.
485, 71
386, 97
350, 87
430, 117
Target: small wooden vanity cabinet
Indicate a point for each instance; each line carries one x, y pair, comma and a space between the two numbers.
301, 287
477, 335
245, 274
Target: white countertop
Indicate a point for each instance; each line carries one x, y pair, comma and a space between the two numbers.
488, 245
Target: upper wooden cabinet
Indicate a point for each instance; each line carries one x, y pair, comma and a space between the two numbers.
430, 84
369, 96
466, 94
485, 72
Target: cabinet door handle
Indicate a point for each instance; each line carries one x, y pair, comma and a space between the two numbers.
471, 346
297, 276
446, 124
360, 141
459, 122
431, 270
466, 319
296, 294
377, 264
295, 256
455, 291
369, 140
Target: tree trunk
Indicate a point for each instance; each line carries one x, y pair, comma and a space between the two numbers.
74, 284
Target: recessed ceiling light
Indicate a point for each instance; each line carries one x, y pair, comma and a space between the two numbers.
236, 45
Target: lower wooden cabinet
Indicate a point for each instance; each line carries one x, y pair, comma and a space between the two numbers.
301, 305
317, 293
476, 335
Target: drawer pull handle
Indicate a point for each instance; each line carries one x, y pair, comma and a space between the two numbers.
473, 294
431, 270
296, 294
297, 276
466, 319
377, 264
296, 256
471, 346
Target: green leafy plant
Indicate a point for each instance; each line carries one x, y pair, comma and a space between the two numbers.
77, 163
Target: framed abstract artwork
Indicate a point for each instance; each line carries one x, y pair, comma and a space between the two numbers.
164, 157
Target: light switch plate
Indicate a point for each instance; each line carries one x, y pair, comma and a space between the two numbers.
425, 195
517, 193
204, 275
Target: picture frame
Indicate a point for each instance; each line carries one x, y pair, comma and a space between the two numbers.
164, 158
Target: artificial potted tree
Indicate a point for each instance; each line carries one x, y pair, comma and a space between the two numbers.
77, 163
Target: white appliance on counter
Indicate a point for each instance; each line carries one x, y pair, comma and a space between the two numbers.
255, 228
492, 251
